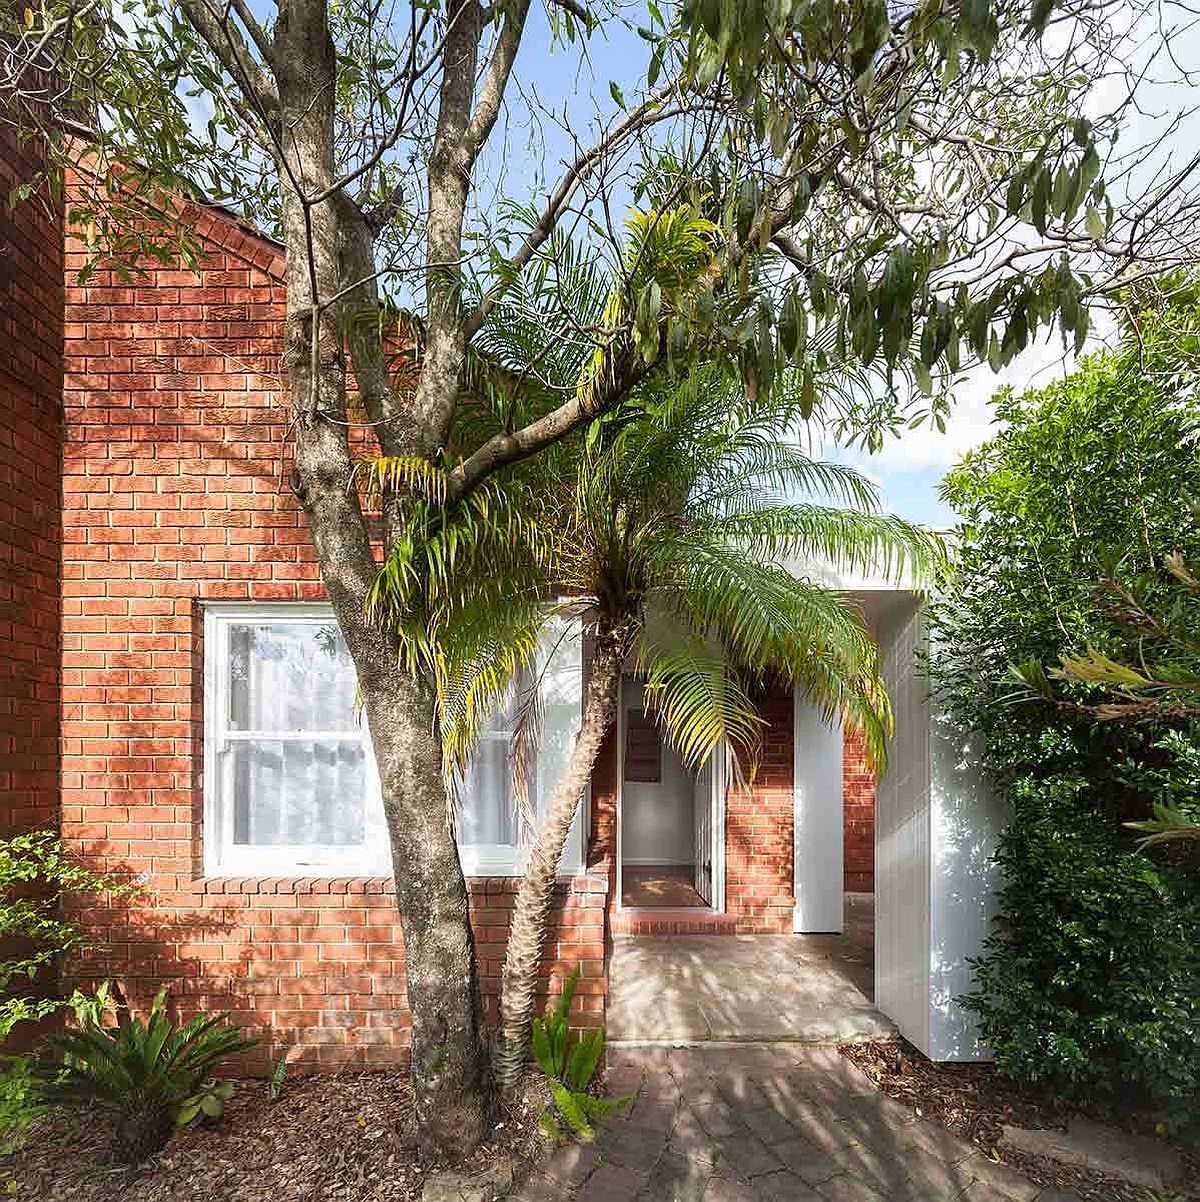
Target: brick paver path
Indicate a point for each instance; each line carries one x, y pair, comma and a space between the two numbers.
766, 1124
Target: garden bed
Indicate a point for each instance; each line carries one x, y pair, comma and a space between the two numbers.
976, 1103
343, 1138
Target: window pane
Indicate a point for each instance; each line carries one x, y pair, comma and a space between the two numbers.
488, 814
298, 792
290, 676
562, 686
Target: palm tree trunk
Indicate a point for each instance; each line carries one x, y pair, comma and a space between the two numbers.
527, 934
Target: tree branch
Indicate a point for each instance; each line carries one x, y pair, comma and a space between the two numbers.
501, 450
576, 173
233, 54
491, 92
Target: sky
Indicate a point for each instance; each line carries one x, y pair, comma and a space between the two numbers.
909, 468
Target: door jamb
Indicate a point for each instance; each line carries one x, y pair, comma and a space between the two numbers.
620, 790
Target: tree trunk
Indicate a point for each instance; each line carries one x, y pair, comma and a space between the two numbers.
449, 1067
527, 934
328, 249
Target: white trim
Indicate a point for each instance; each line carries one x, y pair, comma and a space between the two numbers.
620, 788
818, 819
719, 791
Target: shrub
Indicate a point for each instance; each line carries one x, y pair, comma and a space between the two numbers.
1088, 986
36, 875
20, 1101
570, 1067
1089, 990
152, 1074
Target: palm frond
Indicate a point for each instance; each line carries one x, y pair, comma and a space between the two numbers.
379, 474
699, 701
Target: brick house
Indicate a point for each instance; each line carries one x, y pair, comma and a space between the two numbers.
175, 699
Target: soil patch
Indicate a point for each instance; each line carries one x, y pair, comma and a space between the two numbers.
337, 1138
976, 1103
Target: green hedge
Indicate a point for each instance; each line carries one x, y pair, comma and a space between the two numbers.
1090, 985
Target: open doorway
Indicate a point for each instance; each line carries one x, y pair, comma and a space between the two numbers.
669, 852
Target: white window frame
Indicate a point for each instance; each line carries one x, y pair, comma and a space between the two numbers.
373, 857
502, 859
222, 857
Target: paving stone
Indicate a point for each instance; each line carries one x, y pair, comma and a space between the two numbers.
848, 1189
612, 1183
701, 1091
935, 1140
811, 1163
1140, 1159
676, 1179
631, 1145
538, 1189
656, 1113
925, 1178
727, 1189
785, 1187
717, 1119
885, 1170
1003, 1177
768, 1125
747, 1156
571, 1163
689, 1139
625, 1081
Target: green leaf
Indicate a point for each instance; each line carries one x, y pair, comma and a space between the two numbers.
570, 1109
616, 93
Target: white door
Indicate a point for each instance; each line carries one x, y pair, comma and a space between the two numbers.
703, 821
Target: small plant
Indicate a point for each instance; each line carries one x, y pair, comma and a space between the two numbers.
36, 875
278, 1077
152, 1074
207, 1106
20, 1102
569, 1069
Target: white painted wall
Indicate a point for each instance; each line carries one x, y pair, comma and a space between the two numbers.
966, 820
936, 825
657, 825
818, 833
902, 856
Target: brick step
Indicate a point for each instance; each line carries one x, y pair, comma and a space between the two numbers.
671, 922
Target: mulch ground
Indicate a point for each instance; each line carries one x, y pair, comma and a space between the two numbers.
976, 1103
343, 1138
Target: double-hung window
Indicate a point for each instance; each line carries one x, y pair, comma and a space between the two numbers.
290, 784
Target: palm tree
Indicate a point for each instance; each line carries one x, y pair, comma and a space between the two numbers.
685, 508
682, 504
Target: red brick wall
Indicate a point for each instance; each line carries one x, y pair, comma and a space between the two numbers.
759, 821
175, 488
31, 300
858, 782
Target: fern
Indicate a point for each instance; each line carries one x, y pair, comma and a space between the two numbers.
570, 1069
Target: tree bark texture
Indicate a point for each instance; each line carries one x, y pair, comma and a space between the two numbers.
535, 895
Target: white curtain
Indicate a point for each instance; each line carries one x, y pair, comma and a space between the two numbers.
287, 679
